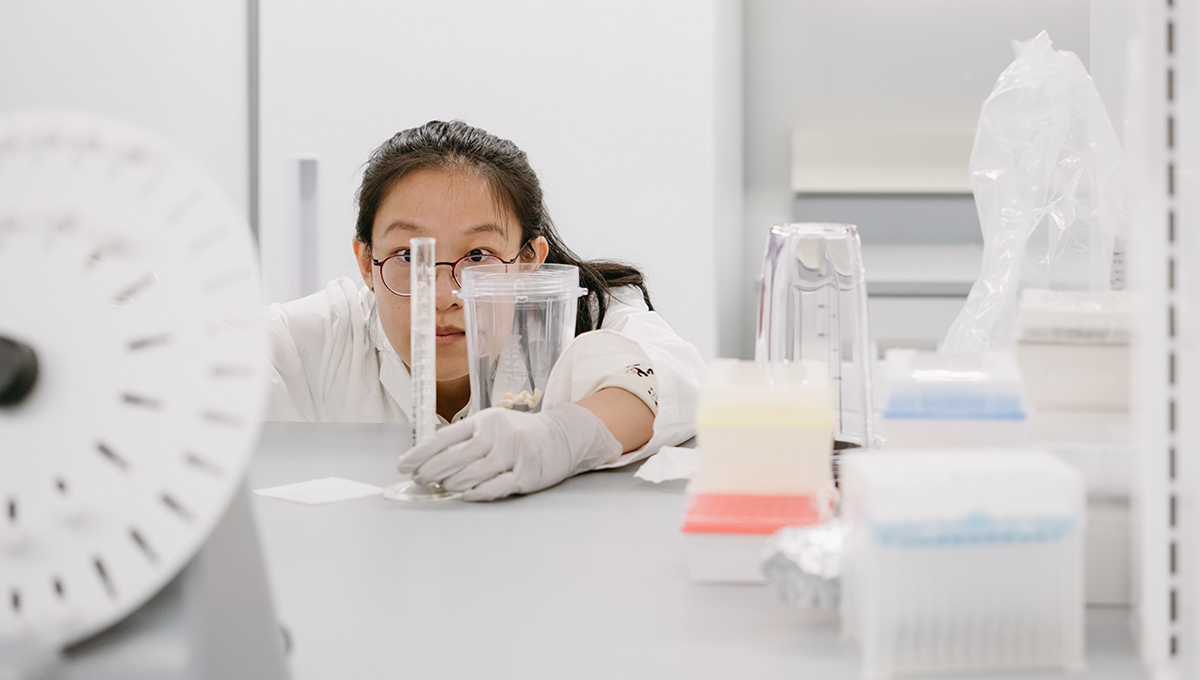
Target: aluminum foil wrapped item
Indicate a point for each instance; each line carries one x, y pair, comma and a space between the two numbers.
804, 564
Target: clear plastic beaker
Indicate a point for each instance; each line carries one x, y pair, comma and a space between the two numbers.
813, 307
519, 319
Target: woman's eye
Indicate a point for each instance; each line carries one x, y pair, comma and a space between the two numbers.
478, 255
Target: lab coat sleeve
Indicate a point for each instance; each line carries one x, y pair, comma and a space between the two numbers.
310, 340
634, 336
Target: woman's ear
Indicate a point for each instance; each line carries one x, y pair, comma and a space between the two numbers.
362, 255
540, 248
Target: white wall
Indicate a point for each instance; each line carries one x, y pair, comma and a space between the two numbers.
177, 68
877, 65
1113, 23
615, 103
728, 191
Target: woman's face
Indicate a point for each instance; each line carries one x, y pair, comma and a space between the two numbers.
458, 209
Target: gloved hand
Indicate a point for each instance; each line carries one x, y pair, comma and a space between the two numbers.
499, 452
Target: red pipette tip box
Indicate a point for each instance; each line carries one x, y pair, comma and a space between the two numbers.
726, 513
724, 534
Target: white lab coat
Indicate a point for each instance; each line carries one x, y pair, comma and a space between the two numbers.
332, 362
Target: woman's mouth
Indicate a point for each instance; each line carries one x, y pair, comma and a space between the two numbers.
448, 335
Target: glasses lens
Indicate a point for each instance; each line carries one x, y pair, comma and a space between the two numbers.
397, 275
473, 261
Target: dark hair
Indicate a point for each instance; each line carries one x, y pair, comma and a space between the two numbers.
506, 170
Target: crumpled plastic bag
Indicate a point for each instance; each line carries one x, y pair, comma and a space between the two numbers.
1046, 174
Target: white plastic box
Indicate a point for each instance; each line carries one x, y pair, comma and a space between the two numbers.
1073, 349
968, 560
939, 400
765, 428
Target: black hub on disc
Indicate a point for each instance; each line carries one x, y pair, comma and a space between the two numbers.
18, 371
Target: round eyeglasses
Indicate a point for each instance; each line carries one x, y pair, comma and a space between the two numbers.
396, 270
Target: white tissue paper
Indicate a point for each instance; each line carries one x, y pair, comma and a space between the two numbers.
671, 462
318, 491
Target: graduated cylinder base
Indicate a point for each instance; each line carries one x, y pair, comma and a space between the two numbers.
411, 492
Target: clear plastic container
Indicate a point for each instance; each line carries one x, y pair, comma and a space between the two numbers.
813, 307
765, 428
963, 561
957, 400
519, 319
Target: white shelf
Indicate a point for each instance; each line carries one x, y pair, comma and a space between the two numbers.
826, 161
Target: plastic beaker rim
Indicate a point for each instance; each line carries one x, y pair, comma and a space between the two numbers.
547, 281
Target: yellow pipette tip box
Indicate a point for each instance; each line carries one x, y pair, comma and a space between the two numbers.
765, 427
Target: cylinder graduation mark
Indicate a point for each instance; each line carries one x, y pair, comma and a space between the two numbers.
126, 296
112, 456
153, 341
176, 507
424, 337
109, 587
143, 545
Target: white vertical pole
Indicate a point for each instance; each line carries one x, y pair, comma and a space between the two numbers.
1159, 358
1181, 33
304, 233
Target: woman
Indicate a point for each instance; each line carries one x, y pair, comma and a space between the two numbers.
623, 388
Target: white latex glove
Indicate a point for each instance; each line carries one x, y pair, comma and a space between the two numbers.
499, 452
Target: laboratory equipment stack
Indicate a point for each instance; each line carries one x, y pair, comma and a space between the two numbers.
768, 430
765, 432
946, 557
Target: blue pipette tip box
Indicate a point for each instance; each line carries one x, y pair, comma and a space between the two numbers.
953, 399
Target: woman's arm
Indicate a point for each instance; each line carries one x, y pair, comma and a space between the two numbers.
626, 416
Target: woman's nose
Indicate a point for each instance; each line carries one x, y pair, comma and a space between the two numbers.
446, 285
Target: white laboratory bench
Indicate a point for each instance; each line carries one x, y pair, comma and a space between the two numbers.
584, 580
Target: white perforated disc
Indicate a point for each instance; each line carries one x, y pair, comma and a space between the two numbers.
135, 281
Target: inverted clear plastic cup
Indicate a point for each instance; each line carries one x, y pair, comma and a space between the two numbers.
519, 319
813, 307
